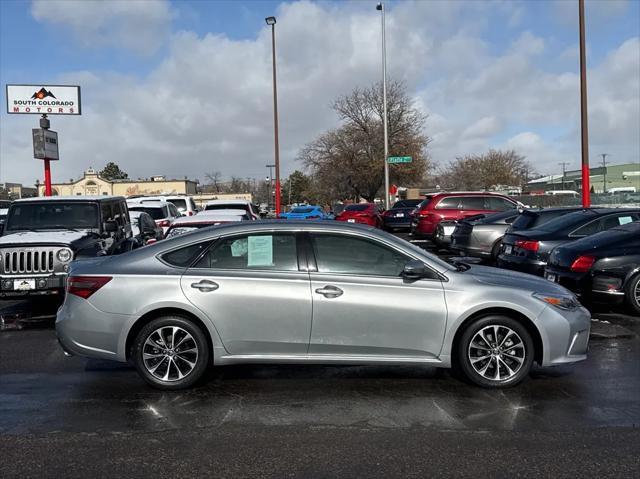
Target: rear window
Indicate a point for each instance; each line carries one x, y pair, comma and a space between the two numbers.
567, 220
357, 207
155, 213
302, 209
228, 206
180, 204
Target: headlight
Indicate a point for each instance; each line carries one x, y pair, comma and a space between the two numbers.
64, 255
559, 301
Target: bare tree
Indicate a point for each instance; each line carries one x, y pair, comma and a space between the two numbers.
475, 172
348, 162
214, 179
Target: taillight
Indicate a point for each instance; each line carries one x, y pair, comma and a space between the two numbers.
190, 213
528, 245
85, 286
387, 213
583, 264
163, 223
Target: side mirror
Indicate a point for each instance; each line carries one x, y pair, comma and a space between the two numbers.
414, 270
110, 226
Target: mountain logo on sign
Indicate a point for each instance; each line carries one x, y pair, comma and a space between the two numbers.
42, 93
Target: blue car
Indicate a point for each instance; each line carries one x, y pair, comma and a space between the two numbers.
308, 212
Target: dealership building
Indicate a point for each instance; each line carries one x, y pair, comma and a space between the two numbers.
91, 184
602, 179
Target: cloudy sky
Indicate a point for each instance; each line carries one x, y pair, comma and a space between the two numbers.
183, 88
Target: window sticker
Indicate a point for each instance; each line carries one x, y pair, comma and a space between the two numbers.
260, 251
625, 219
239, 248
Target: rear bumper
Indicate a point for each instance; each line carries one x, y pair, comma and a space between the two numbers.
522, 264
391, 222
469, 249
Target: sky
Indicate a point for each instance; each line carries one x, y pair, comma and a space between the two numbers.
184, 88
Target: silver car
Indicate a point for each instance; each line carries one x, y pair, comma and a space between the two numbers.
306, 292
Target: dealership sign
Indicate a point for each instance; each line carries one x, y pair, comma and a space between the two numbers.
43, 99
45, 144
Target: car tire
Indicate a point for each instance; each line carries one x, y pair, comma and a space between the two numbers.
478, 354
168, 366
632, 294
495, 251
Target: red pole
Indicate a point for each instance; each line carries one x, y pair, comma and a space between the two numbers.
47, 178
586, 188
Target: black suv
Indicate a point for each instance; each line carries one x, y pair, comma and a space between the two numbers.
43, 235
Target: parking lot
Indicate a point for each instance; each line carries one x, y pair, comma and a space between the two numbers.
73, 417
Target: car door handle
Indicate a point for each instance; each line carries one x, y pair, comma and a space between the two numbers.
330, 291
205, 286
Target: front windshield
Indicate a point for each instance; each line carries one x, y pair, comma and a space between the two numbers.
406, 204
49, 215
362, 207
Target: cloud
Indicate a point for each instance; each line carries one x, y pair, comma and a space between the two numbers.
207, 104
139, 26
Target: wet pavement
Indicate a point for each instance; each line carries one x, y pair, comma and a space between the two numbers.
65, 411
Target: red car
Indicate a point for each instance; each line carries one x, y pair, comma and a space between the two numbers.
455, 207
365, 213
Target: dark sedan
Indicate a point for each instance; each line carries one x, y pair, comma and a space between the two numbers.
399, 215
605, 265
482, 237
528, 250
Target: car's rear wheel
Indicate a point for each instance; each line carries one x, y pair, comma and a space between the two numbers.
171, 353
495, 352
632, 294
495, 251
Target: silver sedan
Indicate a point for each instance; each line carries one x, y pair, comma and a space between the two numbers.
291, 292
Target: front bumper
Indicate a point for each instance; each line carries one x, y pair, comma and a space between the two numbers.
52, 285
565, 335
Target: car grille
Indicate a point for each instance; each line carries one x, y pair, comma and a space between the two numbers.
34, 260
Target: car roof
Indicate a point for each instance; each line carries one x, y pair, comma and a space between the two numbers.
228, 202
230, 211
469, 193
158, 204
205, 219
69, 198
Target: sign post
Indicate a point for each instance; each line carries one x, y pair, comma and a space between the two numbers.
44, 100
399, 159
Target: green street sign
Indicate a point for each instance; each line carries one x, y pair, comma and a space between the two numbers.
399, 159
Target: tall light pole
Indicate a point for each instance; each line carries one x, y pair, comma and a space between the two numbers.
586, 189
380, 7
564, 165
272, 21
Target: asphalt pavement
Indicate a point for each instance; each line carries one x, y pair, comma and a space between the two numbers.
73, 417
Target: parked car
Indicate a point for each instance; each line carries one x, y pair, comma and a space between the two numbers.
528, 250
444, 230
42, 236
312, 292
363, 213
144, 228
205, 219
481, 236
183, 203
307, 212
3, 218
605, 265
399, 215
456, 207
162, 212
246, 205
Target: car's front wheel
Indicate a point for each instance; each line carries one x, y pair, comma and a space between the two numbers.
495, 352
171, 353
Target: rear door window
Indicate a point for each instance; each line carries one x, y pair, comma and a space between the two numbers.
449, 203
474, 203
495, 203
184, 257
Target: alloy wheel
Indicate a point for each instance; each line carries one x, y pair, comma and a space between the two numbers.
496, 353
170, 353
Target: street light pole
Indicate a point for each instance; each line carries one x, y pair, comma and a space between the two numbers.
604, 171
380, 7
272, 21
586, 189
270, 183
